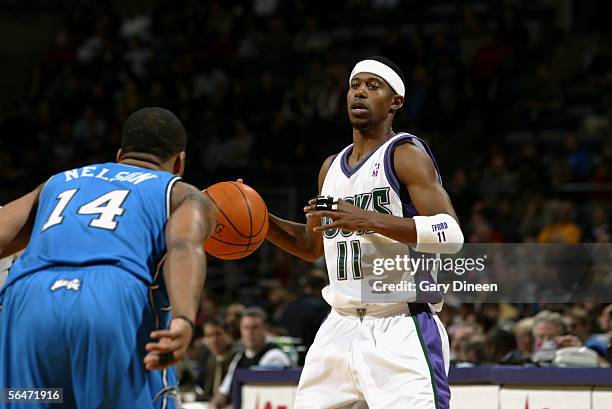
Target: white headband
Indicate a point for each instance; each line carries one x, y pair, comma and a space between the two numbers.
383, 71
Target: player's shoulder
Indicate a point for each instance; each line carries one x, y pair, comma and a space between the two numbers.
328, 161
407, 149
408, 146
325, 168
182, 191
411, 161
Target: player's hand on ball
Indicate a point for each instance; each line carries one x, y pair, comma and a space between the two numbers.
345, 217
172, 344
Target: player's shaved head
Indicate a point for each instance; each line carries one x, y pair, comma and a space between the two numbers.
153, 131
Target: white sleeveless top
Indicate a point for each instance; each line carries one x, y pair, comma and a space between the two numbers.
372, 185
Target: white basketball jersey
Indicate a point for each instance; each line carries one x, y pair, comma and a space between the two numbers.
372, 185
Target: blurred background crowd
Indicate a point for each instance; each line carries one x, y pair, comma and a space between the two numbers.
512, 96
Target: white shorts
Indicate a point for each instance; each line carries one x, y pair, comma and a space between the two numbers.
397, 361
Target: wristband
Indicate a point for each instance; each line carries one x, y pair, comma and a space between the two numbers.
193, 327
438, 234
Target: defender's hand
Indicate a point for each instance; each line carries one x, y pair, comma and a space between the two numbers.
345, 217
171, 347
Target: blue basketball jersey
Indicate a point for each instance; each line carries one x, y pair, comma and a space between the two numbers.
107, 215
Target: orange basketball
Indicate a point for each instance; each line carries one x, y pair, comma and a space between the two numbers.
242, 220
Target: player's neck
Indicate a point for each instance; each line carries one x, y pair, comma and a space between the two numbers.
140, 163
366, 140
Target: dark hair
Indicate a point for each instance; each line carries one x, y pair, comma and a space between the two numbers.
214, 321
501, 340
255, 312
389, 64
153, 131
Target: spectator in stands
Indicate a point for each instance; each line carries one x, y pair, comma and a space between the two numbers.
544, 97
207, 310
303, 316
257, 352
500, 344
523, 332
599, 228
214, 362
578, 323
577, 158
274, 304
460, 334
523, 339
473, 351
233, 313
563, 229
549, 326
534, 217
599, 342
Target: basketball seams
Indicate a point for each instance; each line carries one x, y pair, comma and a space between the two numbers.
228, 246
227, 218
246, 203
229, 243
219, 255
264, 222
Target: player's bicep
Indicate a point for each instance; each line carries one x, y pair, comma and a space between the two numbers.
416, 171
192, 218
430, 198
17, 221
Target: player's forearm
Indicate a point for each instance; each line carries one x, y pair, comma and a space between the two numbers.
438, 233
185, 273
293, 238
396, 228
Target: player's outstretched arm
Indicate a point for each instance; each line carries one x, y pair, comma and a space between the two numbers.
190, 223
16, 222
435, 230
299, 239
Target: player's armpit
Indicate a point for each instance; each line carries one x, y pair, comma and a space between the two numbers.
16, 222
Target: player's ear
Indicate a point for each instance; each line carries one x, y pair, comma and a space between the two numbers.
119, 155
179, 164
398, 102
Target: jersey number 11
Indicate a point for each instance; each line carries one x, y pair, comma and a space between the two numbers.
356, 259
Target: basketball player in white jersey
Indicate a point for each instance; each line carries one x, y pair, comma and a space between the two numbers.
372, 354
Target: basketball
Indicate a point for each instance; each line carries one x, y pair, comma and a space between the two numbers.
242, 220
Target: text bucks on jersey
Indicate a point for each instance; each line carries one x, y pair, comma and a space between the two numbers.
371, 185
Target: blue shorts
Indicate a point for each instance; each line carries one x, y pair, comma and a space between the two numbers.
83, 331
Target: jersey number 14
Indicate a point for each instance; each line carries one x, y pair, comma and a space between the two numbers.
107, 206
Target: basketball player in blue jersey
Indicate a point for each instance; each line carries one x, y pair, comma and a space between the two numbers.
102, 302
374, 354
